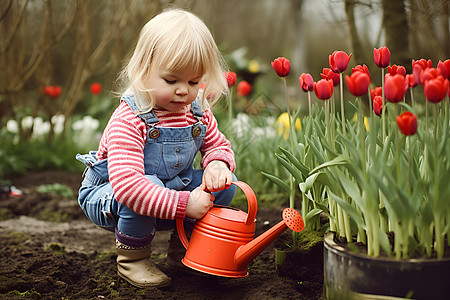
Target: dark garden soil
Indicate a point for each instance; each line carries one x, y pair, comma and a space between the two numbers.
50, 250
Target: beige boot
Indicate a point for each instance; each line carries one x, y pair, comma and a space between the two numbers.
134, 265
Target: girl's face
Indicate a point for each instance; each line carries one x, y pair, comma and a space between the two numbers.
174, 90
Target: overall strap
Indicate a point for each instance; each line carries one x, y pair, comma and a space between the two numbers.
149, 118
196, 108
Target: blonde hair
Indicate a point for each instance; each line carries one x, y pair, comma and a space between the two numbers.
177, 40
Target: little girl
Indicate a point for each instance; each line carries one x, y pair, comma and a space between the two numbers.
142, 177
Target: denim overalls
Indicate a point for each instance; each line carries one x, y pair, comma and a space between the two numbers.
169, 154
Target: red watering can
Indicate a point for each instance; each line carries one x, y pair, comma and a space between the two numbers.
222, 241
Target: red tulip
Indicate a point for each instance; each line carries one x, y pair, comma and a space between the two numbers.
418, 67
397, 70
378, 91
377, 105
282, 66
444, 69
327, 73
53, 91
430, 73
361, 68
324, 89
435, 89
407, 122
395, 88
447, 66
382, 56
411, 80
244, 88
231, 78
339, 61
96, 88
306, 82
358, 83
423, 63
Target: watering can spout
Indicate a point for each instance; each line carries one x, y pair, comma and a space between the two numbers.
291, 219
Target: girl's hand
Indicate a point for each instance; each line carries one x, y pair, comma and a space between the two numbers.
217, 176
199, 203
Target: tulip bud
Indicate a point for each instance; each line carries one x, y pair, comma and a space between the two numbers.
306, 82
407, 122
231, 78
339, 61
382, 56
282, 66
324, 89
244, 88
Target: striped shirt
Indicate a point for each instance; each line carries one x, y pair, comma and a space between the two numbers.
123, 143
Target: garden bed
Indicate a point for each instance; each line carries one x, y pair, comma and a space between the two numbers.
50, 250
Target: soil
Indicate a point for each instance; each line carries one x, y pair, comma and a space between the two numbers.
50, 250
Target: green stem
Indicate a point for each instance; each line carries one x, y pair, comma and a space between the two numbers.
341, 86
412, 99
341, 230
409, 165
309, 104
397, 141
363, 138
438, 224
332, 207
291, 130
291, 177
327, 118
383, 110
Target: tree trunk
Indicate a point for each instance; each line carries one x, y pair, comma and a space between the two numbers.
396, 30
357, 49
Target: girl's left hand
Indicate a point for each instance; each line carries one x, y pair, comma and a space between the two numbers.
217, 176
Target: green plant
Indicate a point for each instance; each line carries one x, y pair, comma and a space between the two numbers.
377, 184
57, 189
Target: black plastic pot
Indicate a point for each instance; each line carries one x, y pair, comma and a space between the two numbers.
354, 276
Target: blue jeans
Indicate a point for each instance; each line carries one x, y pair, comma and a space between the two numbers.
101, 207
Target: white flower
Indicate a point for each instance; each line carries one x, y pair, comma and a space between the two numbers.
58, 123
40, 127
12, 126
27, 122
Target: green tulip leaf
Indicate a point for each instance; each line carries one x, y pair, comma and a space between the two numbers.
298, 164
340, 160
291, 169
384, 241
350, 187
352, 212
277, 181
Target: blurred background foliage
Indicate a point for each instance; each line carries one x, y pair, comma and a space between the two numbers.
74, 43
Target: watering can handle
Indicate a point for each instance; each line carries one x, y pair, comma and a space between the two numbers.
251, 215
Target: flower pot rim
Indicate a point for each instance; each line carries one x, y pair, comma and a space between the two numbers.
333, 247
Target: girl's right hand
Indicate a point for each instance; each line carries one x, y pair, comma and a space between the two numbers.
199, 203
